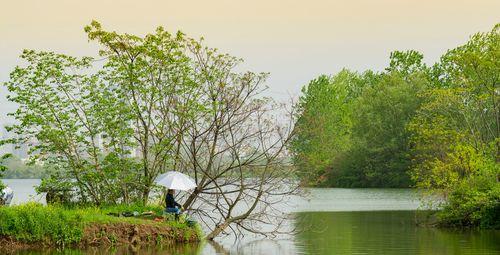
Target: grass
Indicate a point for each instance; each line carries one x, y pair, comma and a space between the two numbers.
60, 226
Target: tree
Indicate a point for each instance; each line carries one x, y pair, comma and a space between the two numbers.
473, 70
194, 110
379, 155
69, 120
324, 122
157, 81
406, 62
235, 147
455, 134
351, 127
160, 102
464, 111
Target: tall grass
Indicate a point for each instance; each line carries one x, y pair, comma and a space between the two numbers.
36, 223
63, 226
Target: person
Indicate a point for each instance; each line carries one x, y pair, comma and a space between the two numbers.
171, 205
6, 196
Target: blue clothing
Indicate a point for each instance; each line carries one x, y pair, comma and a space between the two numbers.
170, 201
173, 210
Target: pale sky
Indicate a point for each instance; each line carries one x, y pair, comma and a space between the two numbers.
293, 40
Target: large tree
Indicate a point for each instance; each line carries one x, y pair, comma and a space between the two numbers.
379, 155
157, 103
456, 134
63, 115
324, 122
350, 129
461, 114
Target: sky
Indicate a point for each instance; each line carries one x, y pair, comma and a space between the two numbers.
293, 40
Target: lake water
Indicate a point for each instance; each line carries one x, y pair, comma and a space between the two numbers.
332, 221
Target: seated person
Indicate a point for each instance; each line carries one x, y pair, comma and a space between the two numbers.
6, 196
172, 206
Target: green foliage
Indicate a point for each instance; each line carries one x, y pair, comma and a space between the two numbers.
456, 134
64, 109
154, 103
350, 131
3, 168
474, 201
461, 116
36, 223
437, 128
323, 123
406, 62
379, 155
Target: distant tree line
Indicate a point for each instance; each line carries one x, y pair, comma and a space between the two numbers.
15, 168
434, 127
351, 129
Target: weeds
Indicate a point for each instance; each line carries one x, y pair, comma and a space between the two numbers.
62, 226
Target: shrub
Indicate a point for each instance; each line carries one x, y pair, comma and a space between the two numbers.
37, 223
475, 202
62, 225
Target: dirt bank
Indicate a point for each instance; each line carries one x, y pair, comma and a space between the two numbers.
112, 234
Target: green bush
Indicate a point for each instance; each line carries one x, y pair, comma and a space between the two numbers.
59, 225
473, 203
37, 223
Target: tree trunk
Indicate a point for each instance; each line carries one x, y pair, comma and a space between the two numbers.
218, 229
145, 194
191, 198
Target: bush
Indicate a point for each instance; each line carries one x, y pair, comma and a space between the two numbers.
61, 225
474, 203
36, 223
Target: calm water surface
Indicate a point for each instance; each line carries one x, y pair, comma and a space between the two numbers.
333, 221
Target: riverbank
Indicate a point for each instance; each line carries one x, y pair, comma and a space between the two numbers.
336, 221
32, 225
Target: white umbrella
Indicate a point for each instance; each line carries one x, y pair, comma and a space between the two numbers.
176, 180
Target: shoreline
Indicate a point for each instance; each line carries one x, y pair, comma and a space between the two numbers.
109, 235
35, 226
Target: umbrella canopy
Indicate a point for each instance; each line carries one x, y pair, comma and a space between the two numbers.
175, 180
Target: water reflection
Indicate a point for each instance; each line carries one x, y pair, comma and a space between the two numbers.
376, 232
334, 221
386, 232
177, 249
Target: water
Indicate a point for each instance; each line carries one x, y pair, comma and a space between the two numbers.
332, 221
24, 190
386, 232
